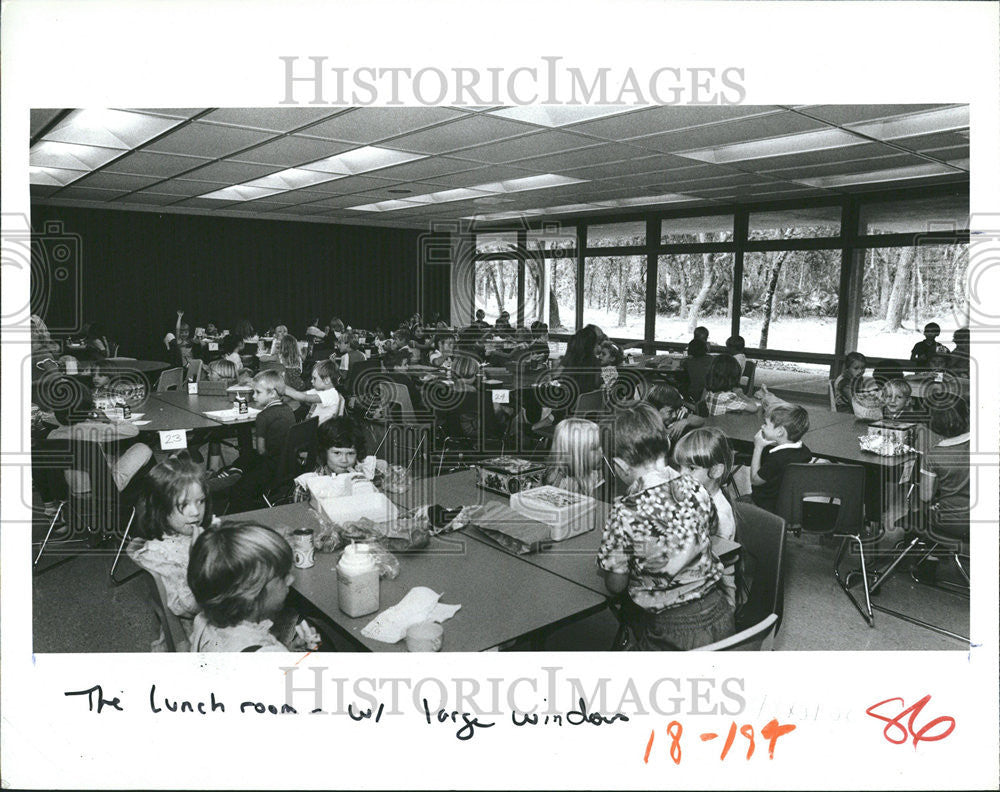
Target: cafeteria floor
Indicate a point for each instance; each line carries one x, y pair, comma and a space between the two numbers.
75, 609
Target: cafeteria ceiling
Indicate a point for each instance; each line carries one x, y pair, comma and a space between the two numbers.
408, 167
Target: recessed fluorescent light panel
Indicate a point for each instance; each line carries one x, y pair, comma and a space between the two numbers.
240, 192
950, 119
774, 147
115, 129
538, 182
71, 156
556, 115
892, 174
362, 160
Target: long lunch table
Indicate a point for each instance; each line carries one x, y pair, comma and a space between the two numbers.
502, 597
182, 411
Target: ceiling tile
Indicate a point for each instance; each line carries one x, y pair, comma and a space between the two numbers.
854, 114
534, 145
898, 160
40, 118
268, 119
207, 140
426, 169
116, 181
148, 198
172, 112
89, 194
142, 163
581, 158
465, 132
739, 130
183, 187
933, 141
348, 184
807, 158
374, 124
485, 175
950, 153
231, 171
292, 150
626, 168
656, 120
205, 203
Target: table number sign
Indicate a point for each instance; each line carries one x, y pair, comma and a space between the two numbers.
213, 346
193, 388
501, 396
173, 440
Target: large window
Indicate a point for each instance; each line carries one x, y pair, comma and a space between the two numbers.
939, 214
690, 230
819, 221
614, 295
616, 235
550, 293
904, 288
790, 300
496, 288
694, 289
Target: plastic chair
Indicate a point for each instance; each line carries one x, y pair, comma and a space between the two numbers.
174, 634
761, 568
843, 483
97, 511
749, 373
752, 638
928, 538
298, 456
194, 370
590, 402
170, 380
833, 397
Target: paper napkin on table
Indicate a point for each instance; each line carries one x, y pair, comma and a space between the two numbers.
419, 605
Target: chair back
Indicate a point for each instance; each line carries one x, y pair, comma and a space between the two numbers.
590, 402
833, 396
395, 394
844, 483
749, 373
298, 454
170, 380
173, 631
214, 387
762, 536
194, 370
750, 639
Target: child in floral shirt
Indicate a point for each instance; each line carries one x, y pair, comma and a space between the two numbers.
657, 544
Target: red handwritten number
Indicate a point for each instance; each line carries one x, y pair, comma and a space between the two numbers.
747, 731
913, 710
729, 740
772, 731
675, 730
649, 745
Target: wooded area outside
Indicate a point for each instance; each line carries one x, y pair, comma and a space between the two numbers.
789, 299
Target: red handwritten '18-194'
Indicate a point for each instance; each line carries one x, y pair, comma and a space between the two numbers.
904, 733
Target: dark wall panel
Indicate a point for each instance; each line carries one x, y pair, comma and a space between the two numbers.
138, 268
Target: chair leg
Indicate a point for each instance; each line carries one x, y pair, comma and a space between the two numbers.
444, 451
865, 611
48, 533
118, 555
882, 575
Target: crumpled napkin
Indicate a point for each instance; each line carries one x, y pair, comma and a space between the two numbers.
419, 605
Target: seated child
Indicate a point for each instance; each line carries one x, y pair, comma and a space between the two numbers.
610, 357
843, 386
170, 516
866, 401
958, 361
576, 462
657, 544
923, 350
290, 357
279, 333
342, 449
221, 370
944, 487
239, 574
676, 416
777, 445
897, 404
244, 377
706, 456
722, 388
736, 346
694, 368
179, 345
231, 347
443, 352
701, 333
253, 471
325, 400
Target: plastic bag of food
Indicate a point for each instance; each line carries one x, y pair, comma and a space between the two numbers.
385, 562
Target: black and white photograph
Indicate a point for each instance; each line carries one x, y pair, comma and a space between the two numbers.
438, 402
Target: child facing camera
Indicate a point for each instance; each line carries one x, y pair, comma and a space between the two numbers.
657, 544
240, 573
843, 386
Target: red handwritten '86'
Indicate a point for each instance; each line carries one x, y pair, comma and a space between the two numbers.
905, 733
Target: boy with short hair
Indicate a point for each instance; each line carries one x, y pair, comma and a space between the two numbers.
325, 400
923, 350
777, 445
253, 471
